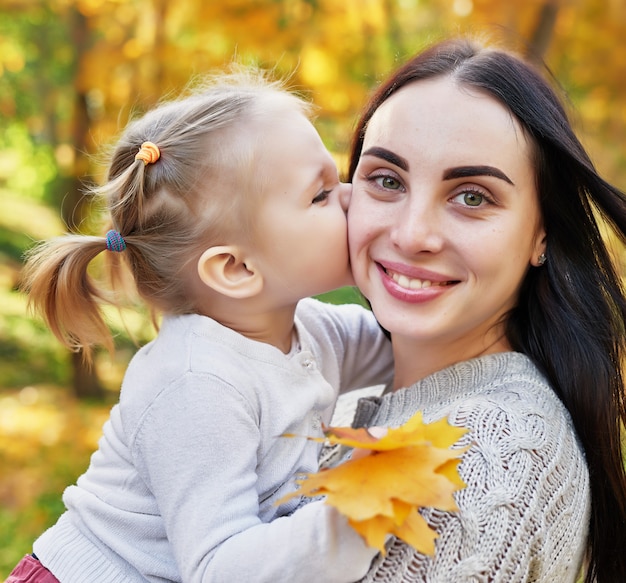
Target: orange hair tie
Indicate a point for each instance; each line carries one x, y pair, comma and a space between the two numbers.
149, 153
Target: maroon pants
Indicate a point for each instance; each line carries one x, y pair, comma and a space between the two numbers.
30, 570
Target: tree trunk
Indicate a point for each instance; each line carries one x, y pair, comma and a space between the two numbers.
543, 31
85, 382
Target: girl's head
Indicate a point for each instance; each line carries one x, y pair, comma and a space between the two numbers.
205, 188
239, 199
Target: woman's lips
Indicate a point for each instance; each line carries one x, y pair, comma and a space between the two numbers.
414, 285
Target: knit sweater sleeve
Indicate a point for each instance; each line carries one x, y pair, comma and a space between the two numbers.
349, 344
523, 515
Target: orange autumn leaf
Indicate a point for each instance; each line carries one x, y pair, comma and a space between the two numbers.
413, 530
411, 467
408, 474
414, 431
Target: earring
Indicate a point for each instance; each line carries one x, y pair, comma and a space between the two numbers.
541, 259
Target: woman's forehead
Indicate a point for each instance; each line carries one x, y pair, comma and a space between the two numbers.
440, 112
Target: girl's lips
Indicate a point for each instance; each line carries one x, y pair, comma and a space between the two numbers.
409, 287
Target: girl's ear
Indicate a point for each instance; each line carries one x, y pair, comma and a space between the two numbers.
226, 270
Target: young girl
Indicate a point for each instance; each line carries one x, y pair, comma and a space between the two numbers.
228, 211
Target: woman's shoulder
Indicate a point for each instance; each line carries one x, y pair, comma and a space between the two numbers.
508, 400
520, 435
502, 399
513, 389
516, 418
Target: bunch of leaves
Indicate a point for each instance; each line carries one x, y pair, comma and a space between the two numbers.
381, 488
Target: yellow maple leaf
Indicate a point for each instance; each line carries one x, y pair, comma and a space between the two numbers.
411, 467
413, 530
414, 431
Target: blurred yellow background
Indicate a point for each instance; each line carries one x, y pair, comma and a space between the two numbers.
72, 72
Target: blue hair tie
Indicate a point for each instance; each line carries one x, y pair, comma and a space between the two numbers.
115, 241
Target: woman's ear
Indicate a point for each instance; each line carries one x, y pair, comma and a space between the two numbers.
228, 271
539, 252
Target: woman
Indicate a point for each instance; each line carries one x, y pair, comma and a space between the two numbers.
473, 235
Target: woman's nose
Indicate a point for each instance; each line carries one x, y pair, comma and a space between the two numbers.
418, 228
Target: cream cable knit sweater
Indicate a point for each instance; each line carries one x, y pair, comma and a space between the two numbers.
525, 511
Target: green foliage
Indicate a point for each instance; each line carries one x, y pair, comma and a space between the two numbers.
27, 168
29, 355
344, 295
28, 352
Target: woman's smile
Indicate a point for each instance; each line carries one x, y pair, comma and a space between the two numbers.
411, 284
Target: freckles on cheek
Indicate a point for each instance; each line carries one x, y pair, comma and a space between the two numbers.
362, 223
358, 236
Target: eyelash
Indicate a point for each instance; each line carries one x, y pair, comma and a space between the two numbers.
321, 197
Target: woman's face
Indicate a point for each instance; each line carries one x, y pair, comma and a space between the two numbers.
444, 220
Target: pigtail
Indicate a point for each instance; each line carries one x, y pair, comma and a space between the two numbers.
127, 185
62, 292
56, 274
128, 200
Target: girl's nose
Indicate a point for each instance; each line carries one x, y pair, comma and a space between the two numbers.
345, 194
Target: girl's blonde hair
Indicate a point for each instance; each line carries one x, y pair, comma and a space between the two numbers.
199, 193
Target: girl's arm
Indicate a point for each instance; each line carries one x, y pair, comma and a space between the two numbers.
352, 347
198, 454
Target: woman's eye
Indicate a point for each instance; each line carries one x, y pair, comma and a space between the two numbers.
471, 198
321, 197
387, 182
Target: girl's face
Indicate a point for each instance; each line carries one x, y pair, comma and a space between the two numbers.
444, 219
302, 243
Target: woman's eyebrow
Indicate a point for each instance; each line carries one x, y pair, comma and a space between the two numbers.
466, 171
389, 156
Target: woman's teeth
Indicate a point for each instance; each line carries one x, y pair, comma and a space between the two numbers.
410, 283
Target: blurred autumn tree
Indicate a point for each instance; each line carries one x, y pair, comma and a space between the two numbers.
72, 72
